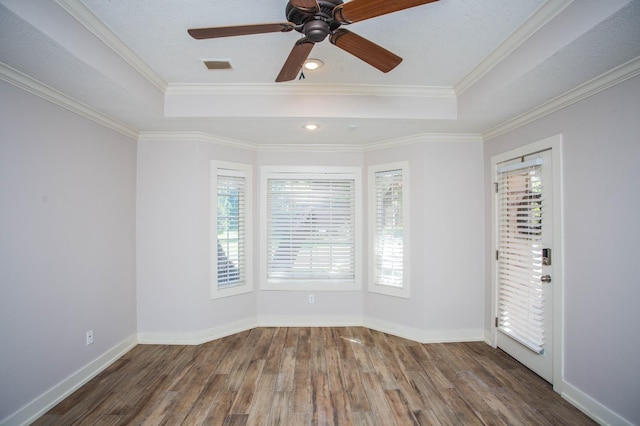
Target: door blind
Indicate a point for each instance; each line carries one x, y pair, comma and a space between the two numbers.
311, 228
389, 247
520, 215
231, 228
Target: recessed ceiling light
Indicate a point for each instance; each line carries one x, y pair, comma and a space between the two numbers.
311, 126
312, 64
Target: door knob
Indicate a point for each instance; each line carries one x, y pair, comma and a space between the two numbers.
545, 278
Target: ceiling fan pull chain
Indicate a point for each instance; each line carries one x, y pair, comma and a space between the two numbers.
302, 77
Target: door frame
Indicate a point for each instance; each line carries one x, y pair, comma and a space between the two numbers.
553, 143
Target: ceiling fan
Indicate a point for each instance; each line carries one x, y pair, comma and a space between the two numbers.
317, 19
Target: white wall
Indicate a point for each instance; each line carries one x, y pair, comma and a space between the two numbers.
601, 170
67, 244
173, 244
447, 244
292, 307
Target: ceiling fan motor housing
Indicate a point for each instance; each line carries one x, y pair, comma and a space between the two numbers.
316, 27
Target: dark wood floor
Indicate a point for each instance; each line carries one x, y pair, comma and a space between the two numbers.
315, 376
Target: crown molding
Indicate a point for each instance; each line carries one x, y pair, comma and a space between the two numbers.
240, 144
541, 17
23, 81
425, 138
310, 148
199, 137
609, 79
357, 148
86, 17
310, 89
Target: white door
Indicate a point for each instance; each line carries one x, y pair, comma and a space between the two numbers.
524, 257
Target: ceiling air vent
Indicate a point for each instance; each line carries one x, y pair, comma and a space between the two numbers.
218, 65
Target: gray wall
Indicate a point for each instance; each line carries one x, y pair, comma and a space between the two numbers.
173, 244
447, 244
67, 244
173, 249
601, 171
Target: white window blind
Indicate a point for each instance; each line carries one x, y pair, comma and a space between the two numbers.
310, 227
389, 242
520, 214
231, 212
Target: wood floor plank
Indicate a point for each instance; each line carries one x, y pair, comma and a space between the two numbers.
262, 401
303, 349
202, 405
380, 408
239, 371
263, 345
342, 342
400, 408
248, 387
341, 409
423, 391
301, 419
380, 365
273, 357
333, 369
279, 413
428, 418
354, 386
361, 355
291, 339
315, 376
317, 351
362, 418
321, 400
236, 420
220, 408
302, 398
287, 370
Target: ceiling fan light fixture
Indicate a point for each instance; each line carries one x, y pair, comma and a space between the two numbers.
313, 64
316, 20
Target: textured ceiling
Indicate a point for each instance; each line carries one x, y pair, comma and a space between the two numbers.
469, 65
439, 42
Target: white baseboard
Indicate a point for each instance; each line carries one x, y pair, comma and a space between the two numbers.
425, 336
196, 337
309, 321
53, 396
591, 407
451, 336
415, 334
399, 330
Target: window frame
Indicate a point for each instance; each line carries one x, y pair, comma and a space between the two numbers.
374, 286
216, 291
266, 172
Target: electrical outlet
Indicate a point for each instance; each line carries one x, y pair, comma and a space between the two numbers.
312, 298
89, 337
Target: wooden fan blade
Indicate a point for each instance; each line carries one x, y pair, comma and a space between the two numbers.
359, 10
306, 6
294, 62
369, 52
238, 30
